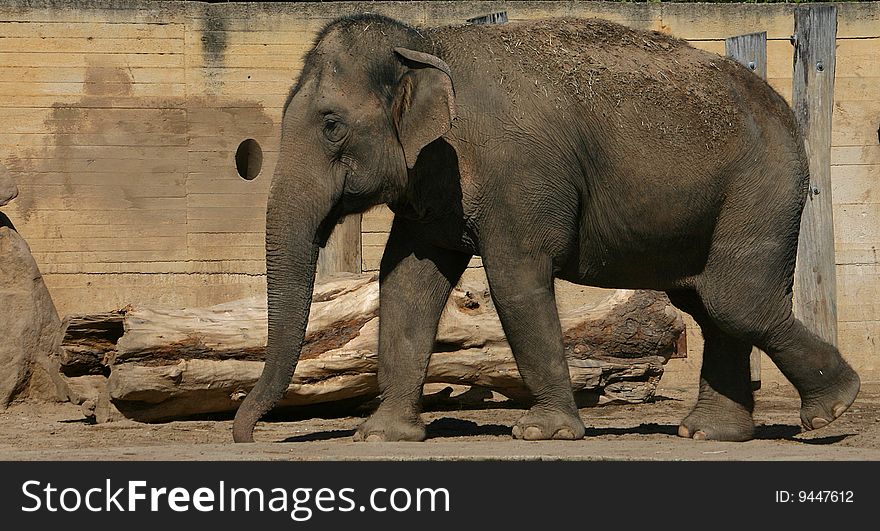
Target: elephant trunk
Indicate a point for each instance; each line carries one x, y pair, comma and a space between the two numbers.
296, 226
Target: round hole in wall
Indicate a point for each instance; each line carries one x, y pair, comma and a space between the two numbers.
249, 159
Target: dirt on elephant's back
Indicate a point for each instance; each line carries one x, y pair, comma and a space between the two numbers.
609, 68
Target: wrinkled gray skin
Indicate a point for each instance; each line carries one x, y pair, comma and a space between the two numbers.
572, 149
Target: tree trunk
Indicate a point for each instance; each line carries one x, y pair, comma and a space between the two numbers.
172, 364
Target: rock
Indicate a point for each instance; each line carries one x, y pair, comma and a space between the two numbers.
86, 388
8, 189
32, 330
88, 409
90, 392
46, 381
105, 411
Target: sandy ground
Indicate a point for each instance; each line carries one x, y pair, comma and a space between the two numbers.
40, 431
614, 432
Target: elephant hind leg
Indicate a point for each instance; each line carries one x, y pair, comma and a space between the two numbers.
755, 308
723, 411
826, 383
746, 288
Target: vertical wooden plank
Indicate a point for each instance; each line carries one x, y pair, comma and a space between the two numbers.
751, 51
343, 251
492, 18
815, 298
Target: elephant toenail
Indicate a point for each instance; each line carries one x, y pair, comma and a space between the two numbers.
565, 434
375, 437
700, 435
517, 432
533, 433
684, 432
819, 422
839, 409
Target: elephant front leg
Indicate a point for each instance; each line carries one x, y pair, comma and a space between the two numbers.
415, 282
523, 294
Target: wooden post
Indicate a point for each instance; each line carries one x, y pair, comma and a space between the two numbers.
492, 18
815, 292
343, 251
751, 51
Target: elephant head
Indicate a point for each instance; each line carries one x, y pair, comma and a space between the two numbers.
366, 103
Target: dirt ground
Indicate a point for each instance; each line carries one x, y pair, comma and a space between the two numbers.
614, 432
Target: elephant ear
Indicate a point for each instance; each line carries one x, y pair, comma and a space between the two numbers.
424, 104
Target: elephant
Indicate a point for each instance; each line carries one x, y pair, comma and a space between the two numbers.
576, 149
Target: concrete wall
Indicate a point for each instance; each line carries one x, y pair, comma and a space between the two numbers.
122, 119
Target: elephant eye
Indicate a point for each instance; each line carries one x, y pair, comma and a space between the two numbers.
334, 129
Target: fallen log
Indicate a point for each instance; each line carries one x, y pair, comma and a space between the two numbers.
87, 340
172, 364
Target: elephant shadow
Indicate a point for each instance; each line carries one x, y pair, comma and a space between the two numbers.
766, 432
447, 427
437, 429
789, 431
327, 435
642, 429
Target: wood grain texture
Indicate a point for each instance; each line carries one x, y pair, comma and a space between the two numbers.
815, 299
749, 50
342, 254
179, 363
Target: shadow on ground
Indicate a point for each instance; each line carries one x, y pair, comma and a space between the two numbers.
320, 436
642, 429
450, 427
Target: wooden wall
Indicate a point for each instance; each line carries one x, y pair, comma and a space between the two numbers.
122, 119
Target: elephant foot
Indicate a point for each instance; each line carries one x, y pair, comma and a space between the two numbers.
542, 424
387, 428
717, 418
821, 407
